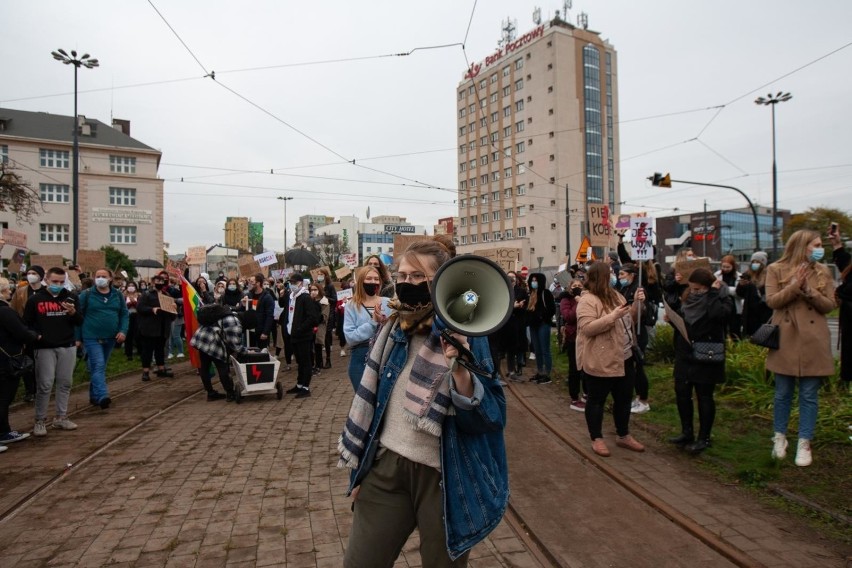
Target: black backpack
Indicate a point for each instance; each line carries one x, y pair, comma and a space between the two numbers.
210, 314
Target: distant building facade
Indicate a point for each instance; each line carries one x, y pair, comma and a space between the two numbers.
368, 238
121, 196
237, 233
307, 225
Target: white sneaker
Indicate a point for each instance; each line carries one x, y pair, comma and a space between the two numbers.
3, 449
779, 448
532, 356
639, 407
171, 356
343, 352
39, 428
180, 355
64, 424
803, 453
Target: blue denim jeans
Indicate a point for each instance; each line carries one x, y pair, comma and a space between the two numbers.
357, 364
175, 341
97, 355
540, 338
808, 403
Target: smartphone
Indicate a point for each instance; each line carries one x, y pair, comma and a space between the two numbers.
832, 229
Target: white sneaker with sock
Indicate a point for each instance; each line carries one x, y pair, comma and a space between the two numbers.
779, 447
804, 457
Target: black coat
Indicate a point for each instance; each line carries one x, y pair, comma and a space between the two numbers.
306, 316
709, 328
13, 333
755, 311
148, 323
842, 259
545, 305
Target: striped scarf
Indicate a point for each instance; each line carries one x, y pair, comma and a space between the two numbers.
427, 396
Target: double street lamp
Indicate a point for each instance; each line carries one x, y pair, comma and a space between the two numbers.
772, 100
90, 63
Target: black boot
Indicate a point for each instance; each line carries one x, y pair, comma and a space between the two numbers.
327, 362
698, 446
685, 437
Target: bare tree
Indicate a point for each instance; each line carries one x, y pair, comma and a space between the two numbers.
328, 249
18, 196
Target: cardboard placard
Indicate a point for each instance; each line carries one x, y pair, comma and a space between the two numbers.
267, 258
168, 304
642, 238
47, 261
248, 266
91, 260
342, 273
623, 222
16, 239
685, 267
175, 268
600, 229
196, 256
506, 258
16, 260
350, 259
402, 242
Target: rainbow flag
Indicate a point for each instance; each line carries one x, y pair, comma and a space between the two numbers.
191, 303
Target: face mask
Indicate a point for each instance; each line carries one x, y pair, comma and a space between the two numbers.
414, 294
55, 288
690, 258
755, 266
613, 280
370, 289
576, 291
321, 279
232, 287
33, 278
143, 288
534, 285
817, 254
131, 289
160, 286
624, 281
101, 282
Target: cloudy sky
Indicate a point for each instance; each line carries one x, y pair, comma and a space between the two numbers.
304, 88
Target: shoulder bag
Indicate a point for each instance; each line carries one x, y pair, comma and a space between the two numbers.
708, 352
766, 335
20, 364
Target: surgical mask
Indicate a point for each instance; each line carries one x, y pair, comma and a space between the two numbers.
613, 280
755, 266
370, 289
232, 287
534, 285
131, 289
414, 294
817, 254
101, 282
33, 278
321, 279
624, 281
55, 288
690, 258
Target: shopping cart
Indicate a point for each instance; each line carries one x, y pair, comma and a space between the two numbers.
256, 373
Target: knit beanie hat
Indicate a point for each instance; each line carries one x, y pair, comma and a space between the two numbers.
760, 256
38, 270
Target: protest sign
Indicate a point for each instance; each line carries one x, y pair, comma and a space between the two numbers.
600, 230
16, 259
685, 267
248, 265
350, 259
266, 258
47, 261
342, 272
196, 255
16, 239
506, 258
91, 260
623, 222
168, 304
642, 238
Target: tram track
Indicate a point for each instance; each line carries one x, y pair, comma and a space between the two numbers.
538, 543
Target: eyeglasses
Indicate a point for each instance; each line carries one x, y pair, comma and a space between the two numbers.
413, 278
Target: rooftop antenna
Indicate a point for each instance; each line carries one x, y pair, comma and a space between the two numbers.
583, 20
537, 16
509, 26
565, 7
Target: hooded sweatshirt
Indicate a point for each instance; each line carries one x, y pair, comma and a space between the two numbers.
45, 314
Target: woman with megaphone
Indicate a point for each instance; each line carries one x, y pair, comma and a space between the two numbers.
424, 436
606, 349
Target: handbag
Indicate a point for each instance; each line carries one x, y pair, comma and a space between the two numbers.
708, 352
20, 364
767, 335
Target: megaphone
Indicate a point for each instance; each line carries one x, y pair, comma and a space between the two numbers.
472, 295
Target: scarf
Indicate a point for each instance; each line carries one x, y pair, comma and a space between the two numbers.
427, 396
694, 307
413, 319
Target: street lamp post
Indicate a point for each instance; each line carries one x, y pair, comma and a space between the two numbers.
285, 200
88, 62
772, 100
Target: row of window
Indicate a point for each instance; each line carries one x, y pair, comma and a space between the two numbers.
61, 159
493, 236
59, 193
507, 110
519, 64
59, 233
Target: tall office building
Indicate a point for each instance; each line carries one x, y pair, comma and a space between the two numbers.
237, 233
538, 141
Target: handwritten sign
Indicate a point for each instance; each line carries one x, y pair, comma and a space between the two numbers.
47, 261
267, 258
196, 255
16, 260
175, 268
16, 239
248, 266
91, 260
685, 267
350, 259
600, 230
168, 304
642, 238
506, 258
342, 272
623, 222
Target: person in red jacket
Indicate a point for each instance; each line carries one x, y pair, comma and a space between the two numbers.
568, 311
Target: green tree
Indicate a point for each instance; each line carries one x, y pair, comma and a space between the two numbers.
118, 261
818, 219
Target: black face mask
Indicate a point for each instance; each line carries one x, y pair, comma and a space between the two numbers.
414, 294
370, 289
576, 291
160, 285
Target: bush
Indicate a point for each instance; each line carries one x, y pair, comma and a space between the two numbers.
661, 346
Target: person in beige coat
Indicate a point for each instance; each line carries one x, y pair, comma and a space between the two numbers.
800, 290
605, 353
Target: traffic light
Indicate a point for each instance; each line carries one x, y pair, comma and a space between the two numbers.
660, 180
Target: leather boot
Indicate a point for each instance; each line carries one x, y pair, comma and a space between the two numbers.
698, 446
685, 437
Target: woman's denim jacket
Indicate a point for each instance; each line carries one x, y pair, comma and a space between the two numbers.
474, 472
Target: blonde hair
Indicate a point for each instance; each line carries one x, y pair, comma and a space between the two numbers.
4, 284
358, 295
796, 254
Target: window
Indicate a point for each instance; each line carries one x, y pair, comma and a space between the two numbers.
495, 195
471, 90
507, 173
494, 117
462, 148
484, 217
495, 215
507, 193
522, 169
462, 203
507, 151
473, 239
507, 91
507, 132
54, 233
473, 201
506, 71
483, 141
495, 156
122, 235
483, 199
122, 164
472, 145
519, 126
522, 231
497, 235
462, 130
483, 103
507, 111
522, 210
495, 176
483, 179
483, 160
464, 239
485, 238
493, 98
54, 158
519, 105
472, 108
519, 84
483, 122
473, 184
471, 127
463, 167
473, 219
519, 64
4, 154
462, 113
522, 189
495, 136
54, 193
472, 164
483, 84
520, 147
464, 221
461, 94
463, 185
509, 213
509, 234
493, 78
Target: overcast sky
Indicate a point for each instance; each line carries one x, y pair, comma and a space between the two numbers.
306, 117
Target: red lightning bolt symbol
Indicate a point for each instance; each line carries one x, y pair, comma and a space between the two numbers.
255, 372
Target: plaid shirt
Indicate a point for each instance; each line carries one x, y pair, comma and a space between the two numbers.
218, 340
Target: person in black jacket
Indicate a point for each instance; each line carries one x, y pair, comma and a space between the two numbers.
153, 328
302, 317
13, 336
52, 314
515, 331
263, 302
540, 311
233, 294
843, 261
706, 309
329, 292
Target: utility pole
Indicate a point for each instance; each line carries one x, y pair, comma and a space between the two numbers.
704, 231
